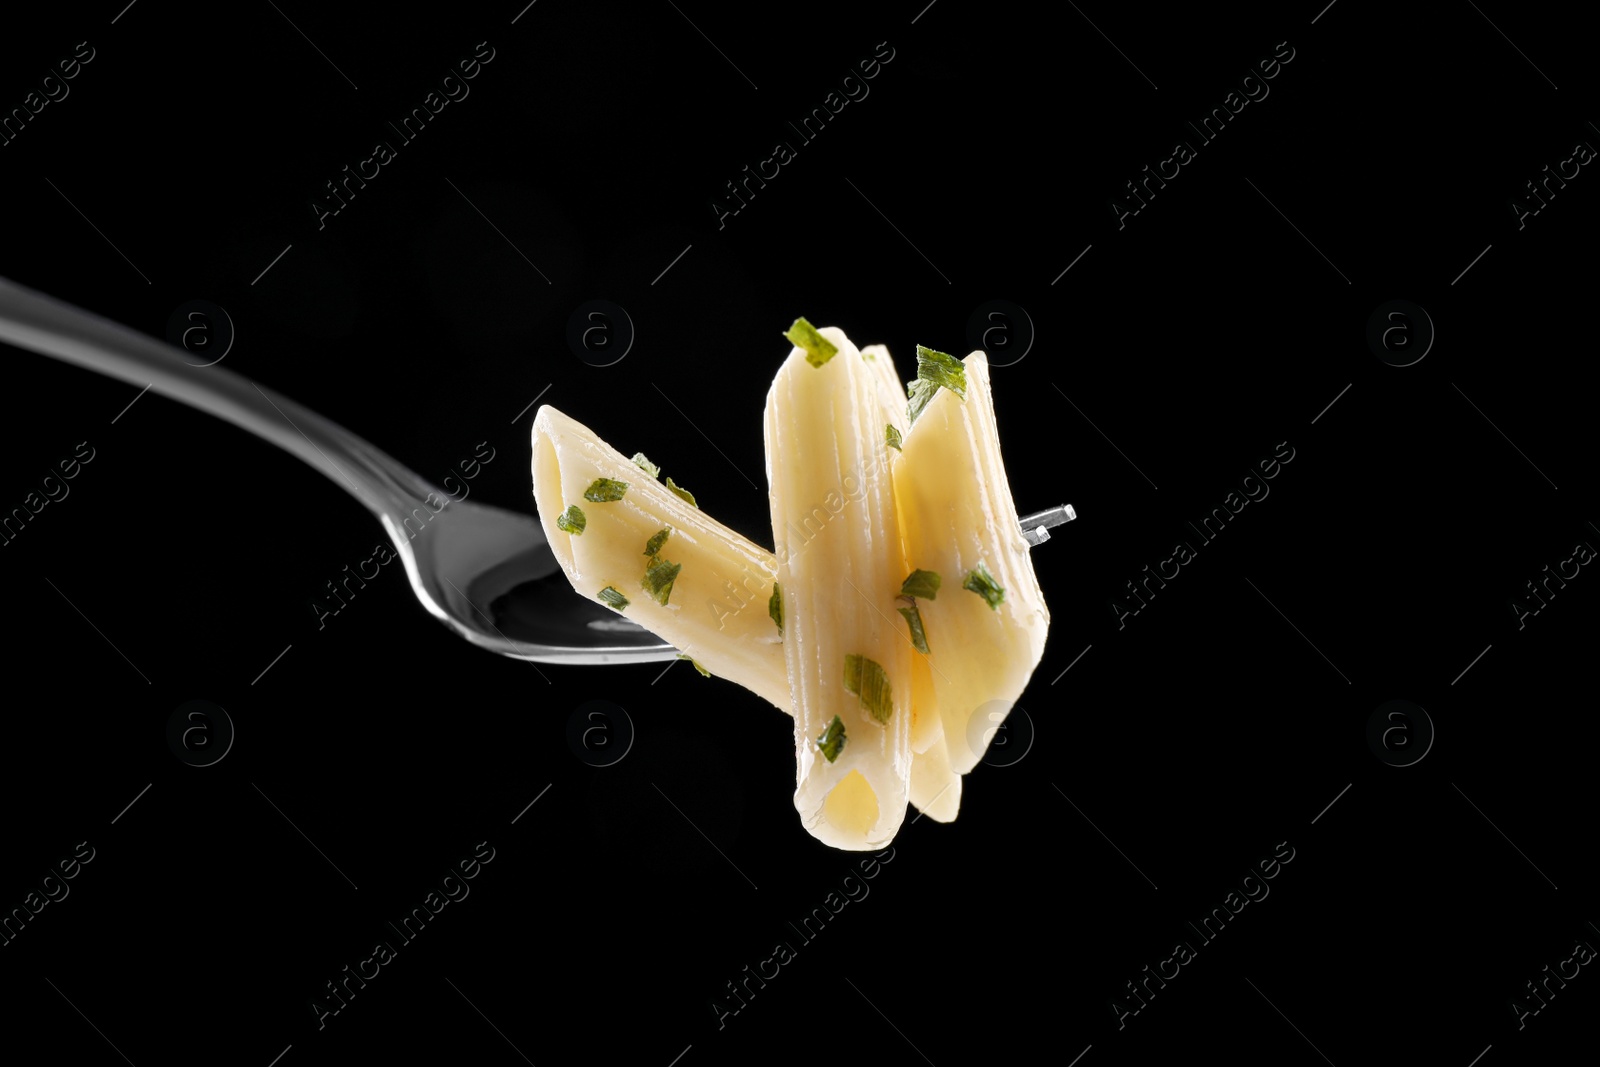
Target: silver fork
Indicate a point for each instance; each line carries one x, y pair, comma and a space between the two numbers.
485, 572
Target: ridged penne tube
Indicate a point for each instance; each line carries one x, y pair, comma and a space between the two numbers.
840, 564
716, 607
935, 787
957, 515
927, 729
890, 387
926, 726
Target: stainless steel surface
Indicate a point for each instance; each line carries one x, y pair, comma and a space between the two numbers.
1036, 527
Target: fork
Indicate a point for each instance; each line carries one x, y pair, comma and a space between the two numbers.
485, 572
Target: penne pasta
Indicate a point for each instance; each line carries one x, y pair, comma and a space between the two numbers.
840, 564
891, 391
715, 607
935, 787
986, 627
909, 619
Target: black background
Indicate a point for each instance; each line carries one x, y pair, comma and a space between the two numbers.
1209, 728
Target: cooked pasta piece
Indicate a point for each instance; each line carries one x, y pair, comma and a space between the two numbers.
703, 588
935, 787
893, 393
986, 626
840, 564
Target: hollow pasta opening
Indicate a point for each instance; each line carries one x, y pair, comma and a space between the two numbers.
851, 807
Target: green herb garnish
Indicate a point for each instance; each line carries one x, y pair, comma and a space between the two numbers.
696, 664
652, 547
658, 579
605, 490
919, 638
613, 598
942, 369
818, 348
644, 464
924, 584
775, 606
920, 392
935, 369
831, 743
868, 680
572, 520
980, 581
891, 436
683, 493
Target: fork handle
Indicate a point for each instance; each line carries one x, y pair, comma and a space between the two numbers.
43, 324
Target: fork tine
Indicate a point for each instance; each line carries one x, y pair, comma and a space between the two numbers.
1036, 527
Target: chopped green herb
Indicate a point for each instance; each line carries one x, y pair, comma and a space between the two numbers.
682, 492
613, 598
935, 369
818, 348
605, 490
868, 680
775, 606
831, 743
920, 393
919, 638
919, 583
980, 581
652, 547
572, 520
644, 464
658, 579
941, 368
891, 436
696, 664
